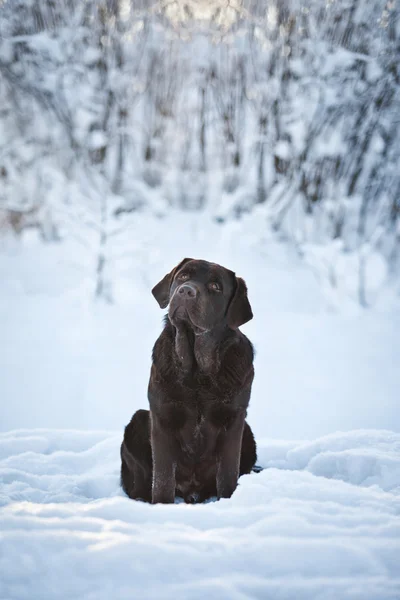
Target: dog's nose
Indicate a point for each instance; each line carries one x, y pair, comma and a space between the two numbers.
187, 291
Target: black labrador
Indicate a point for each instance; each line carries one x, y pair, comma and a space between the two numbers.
194, 442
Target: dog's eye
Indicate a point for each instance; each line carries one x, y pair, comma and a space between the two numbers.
215, 286
183, 276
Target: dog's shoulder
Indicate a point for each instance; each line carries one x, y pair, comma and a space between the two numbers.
163, 344
236, 361
236, 346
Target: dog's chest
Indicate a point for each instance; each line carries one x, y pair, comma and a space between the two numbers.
201, 425
196, 415
197, 437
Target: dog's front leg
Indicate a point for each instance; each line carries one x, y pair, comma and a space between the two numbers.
164, 464
228, 458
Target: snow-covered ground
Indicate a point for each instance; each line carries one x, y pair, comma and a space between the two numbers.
321, 521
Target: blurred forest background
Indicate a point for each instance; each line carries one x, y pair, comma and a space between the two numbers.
284, 113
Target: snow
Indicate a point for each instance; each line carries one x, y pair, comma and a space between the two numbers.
97, 139
282, 149
68, 362
331, 143
321, 521
305, 527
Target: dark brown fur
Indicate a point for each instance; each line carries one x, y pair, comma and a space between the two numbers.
194, 442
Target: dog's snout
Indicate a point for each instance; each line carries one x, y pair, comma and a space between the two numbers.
187, 291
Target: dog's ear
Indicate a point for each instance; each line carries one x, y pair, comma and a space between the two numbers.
161, 290
239, 309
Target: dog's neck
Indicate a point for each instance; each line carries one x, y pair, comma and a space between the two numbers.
198, 349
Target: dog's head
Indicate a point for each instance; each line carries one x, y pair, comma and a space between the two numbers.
204, 295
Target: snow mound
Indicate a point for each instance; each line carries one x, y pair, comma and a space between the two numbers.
321, 521
364, 457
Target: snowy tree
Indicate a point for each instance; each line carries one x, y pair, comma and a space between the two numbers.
227, 106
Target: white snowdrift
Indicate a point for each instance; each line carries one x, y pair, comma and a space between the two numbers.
320, 522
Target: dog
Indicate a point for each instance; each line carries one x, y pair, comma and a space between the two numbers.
194, 442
